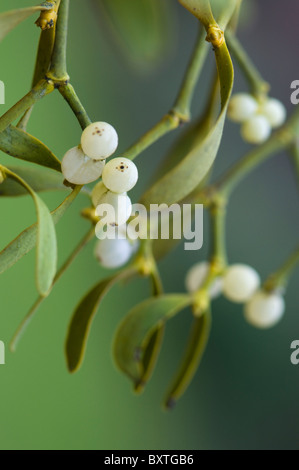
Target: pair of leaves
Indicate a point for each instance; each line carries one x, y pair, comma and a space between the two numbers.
46, 255
10, 19
140, 328
26, 241
136, 331
84, 315
183, 179
142, 28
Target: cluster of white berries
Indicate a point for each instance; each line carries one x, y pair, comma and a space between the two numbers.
110, 199
257, 118
85, 163
241, 284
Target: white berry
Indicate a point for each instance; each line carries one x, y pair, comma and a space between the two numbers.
264, 310
99, 140
196, 277
113, 253
274, 111
256, 130
77, 168
242, 106
240, 282
115, 208
120, 175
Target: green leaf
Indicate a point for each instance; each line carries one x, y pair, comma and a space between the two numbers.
188, 174
153, 348
20, 144
26, 241
150, 357
196, 345
206, 11
142, 28
83, 317
46, 255
223, 10
10, 19
38, 179
201, 9
137, 329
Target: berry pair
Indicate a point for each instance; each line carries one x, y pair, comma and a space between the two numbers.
241, 284
258, 118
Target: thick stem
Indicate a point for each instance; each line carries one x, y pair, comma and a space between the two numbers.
69, 94
58, 70
183, 101
218, 220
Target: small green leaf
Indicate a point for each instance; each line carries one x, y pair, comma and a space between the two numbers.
46, 255
83, 316
10, 19
188, 174
20, 144
26, 241
196, 345
142, 29
37, 178
137, 329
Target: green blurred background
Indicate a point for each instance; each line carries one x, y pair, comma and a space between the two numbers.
245, 395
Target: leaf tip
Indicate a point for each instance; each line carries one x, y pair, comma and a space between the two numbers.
170, 403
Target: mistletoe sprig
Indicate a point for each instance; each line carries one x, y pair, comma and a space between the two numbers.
182, 178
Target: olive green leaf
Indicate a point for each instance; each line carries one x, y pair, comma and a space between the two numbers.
201, 9
46, 255
136, 331
188, 174
37, 178
142, 28
196, 345
149, 358
223, 10
10, 19
26, 241
20, 144
153, 348
83, 316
